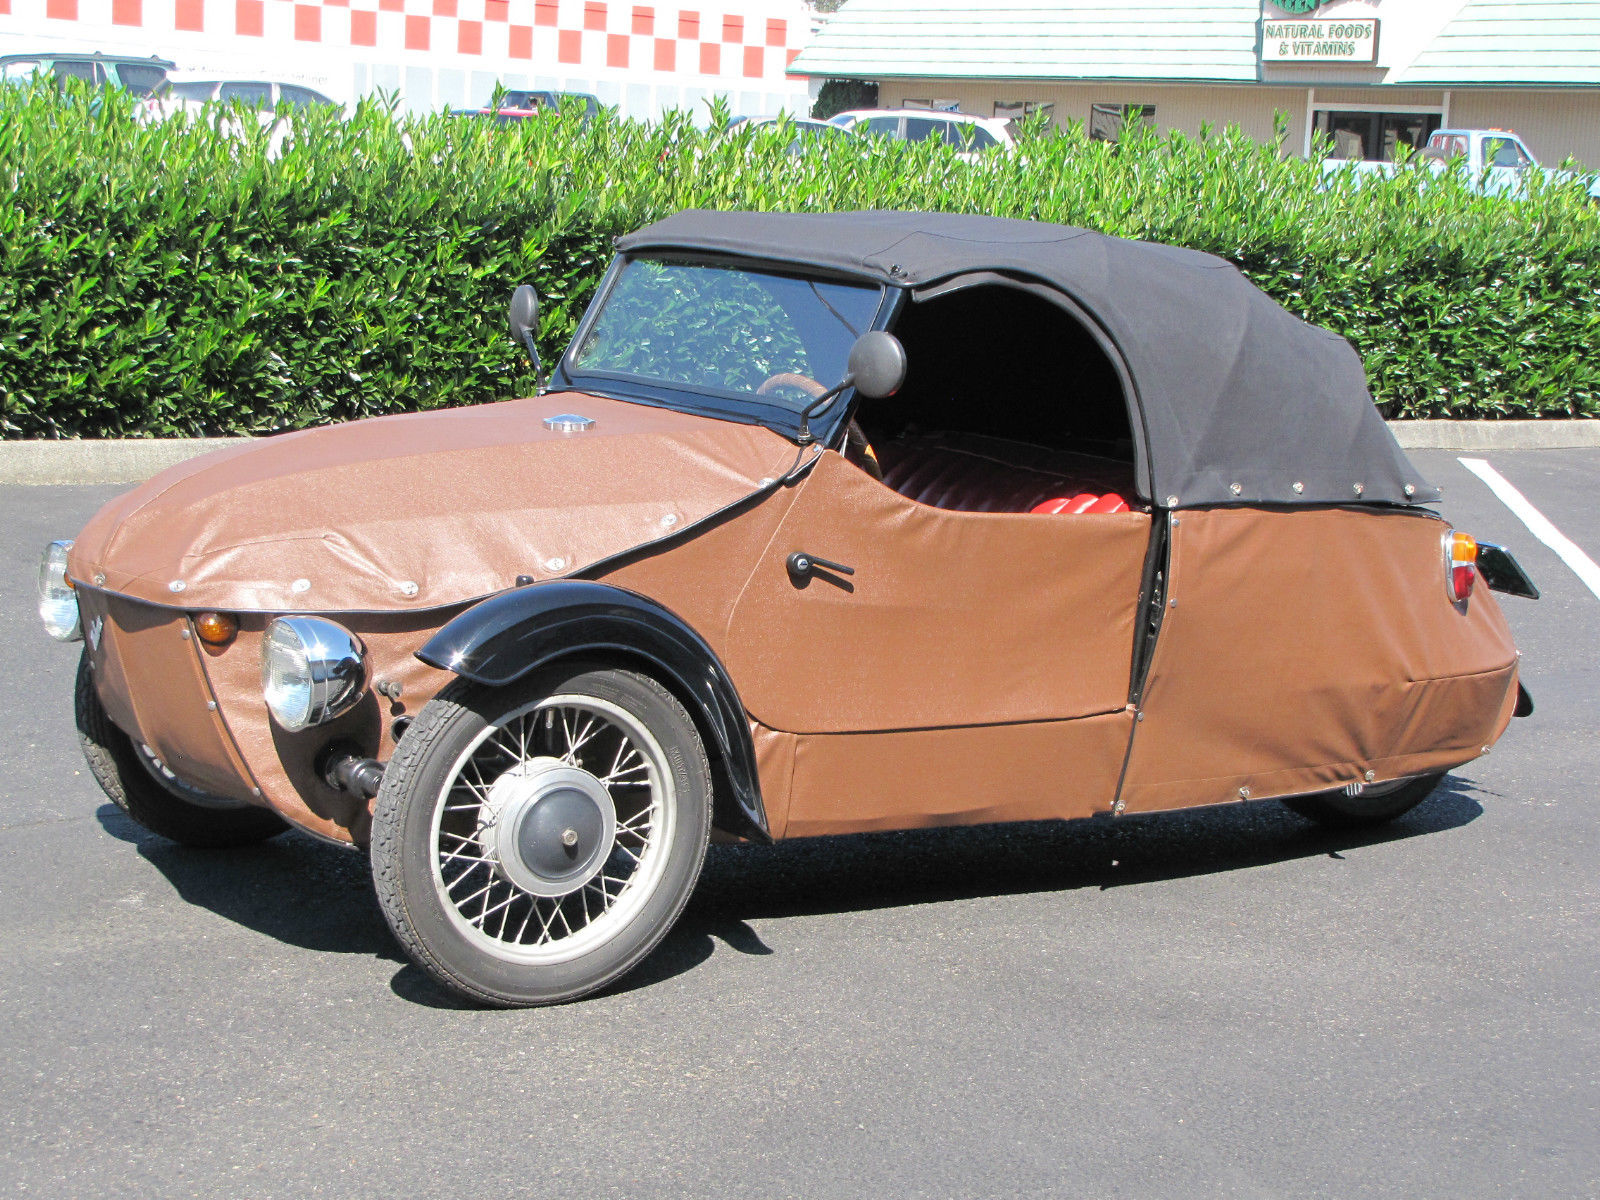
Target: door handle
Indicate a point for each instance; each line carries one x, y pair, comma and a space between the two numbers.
803, 566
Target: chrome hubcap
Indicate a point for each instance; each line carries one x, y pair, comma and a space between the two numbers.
552, 830
547, 827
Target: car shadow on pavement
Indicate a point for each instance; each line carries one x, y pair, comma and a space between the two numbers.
293, 888
319, 897
884, 870
816, 876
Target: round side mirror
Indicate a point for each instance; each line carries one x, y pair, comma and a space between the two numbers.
524, 312
878, 364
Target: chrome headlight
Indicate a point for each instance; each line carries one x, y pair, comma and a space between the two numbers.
311, 671
58, 605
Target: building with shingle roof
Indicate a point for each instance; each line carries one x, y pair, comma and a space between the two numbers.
1370, 75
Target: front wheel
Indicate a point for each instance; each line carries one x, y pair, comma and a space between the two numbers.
532, 843
142, 786
1373, 805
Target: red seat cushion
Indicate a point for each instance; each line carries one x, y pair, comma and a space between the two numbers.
942, 473
1109, 503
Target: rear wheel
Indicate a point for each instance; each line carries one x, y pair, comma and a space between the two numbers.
1373, 805
141, 785
532, 843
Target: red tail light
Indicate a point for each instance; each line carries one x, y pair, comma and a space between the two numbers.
1461, 565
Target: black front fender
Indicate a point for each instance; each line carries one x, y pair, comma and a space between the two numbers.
501, 639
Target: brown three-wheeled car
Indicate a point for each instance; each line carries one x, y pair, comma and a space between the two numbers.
826, 523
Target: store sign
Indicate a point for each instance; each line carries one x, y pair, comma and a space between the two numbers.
1348, 41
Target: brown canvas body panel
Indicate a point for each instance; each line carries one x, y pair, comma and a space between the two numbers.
700, 576
283, 763
775, 768
1300, 650
849, 783
420, 510
149, 677
951, 618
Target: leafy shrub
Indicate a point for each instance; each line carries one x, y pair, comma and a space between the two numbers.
205, 275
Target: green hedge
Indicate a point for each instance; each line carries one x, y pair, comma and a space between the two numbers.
184, 278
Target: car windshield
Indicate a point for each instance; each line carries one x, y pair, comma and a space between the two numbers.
730, 332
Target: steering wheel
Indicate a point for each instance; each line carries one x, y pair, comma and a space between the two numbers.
805, 383
856, 447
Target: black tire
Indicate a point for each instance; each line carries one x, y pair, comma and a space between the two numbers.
159, 805
1375, 805
651, 853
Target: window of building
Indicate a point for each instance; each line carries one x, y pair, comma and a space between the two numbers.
1375, 136
1021, 110
1106, 121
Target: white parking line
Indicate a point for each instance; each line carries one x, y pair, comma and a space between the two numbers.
1538, 524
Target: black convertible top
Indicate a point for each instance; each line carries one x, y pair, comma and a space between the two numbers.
1237, 400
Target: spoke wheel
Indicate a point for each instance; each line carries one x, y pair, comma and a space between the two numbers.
531, 844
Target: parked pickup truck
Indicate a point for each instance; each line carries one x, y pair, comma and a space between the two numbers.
1496, 161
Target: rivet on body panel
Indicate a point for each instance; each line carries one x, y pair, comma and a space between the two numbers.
99, 580
1236, 488
1359, 489
300, 585
555, 564
1410, 491
211, 706
1116, 809
766, 481
408, 588
184, 633
177, 585
1371, 775
1298, 487
255, 792
1244, 793
1139, 717
1172, 604
1172, 502
668, 521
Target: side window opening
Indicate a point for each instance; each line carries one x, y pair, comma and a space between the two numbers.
139, 79
1009, 405
257, 94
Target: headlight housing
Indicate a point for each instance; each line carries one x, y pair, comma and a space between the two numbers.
312, 670
58, 604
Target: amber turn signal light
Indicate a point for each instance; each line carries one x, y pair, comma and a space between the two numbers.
216, 629
1463, 565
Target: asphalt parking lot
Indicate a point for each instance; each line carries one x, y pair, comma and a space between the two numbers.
1228, 1002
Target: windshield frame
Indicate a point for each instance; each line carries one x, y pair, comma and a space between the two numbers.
683, 398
